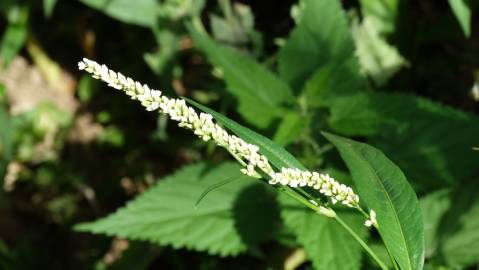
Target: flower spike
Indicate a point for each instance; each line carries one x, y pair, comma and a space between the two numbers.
204, 127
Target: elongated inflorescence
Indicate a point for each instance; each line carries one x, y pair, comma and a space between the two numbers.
324, 183
204, 127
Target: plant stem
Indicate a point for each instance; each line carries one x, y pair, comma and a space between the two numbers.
361, 210
306, 199
362, 243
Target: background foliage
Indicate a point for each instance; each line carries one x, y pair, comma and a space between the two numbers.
91, 181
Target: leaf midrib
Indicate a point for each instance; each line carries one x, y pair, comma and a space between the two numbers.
377, 179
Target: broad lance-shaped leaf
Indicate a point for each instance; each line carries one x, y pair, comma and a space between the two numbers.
221, 224
383, 187
296, 216
275, 153
321, 37
424, 140
139, 12
259, 92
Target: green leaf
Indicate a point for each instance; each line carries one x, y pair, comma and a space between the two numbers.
169, 42
323, 238
459, 227
331, 81
383, 187
382, 14
290, 128
15, 34
321, 37
463, 15
48, 6
276, 154
259, 92
221, 224
377, 57
304, 222
423, 137
5, 138
433, 207
139, 12
236, 28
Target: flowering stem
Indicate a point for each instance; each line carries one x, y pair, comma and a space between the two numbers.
256, 164
361, 210
362, 243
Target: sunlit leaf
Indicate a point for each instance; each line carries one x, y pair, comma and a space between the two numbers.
166, 214
463, 15
321, 37
275, 153
139, 12
377, 57
383, 187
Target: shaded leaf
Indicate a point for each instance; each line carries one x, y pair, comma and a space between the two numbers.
259, 92
169, 45
221, 224
138, 256
291, 127
139, 12
459, 227
328, 245
423, 137
14, 35
5, 136
383, 187
236, 28
331, 81
321, 37
433, 207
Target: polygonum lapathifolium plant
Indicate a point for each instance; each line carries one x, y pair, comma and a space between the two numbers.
204, 127
254, 163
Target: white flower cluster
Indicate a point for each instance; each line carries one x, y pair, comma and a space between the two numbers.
203, 126
372, 220
324, 183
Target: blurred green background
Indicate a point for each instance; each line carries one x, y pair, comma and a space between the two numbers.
400, 75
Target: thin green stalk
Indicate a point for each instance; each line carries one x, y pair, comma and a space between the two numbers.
305, 198
294, 194
361, 210
362, 243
